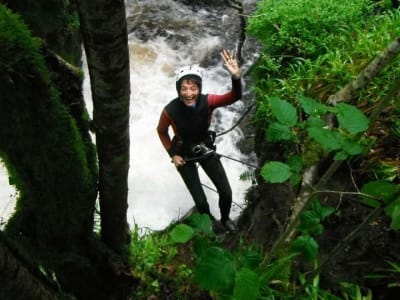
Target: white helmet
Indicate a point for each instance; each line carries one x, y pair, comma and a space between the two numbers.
194, 72
188, 70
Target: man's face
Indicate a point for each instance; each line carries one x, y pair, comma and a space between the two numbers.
189, 92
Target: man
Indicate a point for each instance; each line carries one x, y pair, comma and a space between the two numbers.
189, 115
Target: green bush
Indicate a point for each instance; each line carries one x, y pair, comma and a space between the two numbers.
304, 27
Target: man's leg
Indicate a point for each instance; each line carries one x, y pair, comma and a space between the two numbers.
190, 176
212, 166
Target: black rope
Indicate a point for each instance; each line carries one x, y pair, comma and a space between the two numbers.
238, 121
239, 161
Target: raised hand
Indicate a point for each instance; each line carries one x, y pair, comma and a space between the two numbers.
231, 64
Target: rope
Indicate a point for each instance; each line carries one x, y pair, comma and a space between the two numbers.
238, 121
239, 161
215, 191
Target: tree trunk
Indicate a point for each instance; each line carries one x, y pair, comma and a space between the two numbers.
104, 31
51, 162
17, 282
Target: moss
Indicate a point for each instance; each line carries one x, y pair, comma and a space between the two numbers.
41, 145
55, 21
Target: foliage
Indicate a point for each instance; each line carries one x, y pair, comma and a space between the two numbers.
391, 274
304, 27
285, 125
310, 81
319, 77
56, 22
234, 274
307, 58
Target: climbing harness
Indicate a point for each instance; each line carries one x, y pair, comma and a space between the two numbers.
204, 150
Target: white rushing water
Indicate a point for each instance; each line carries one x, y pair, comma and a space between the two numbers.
157, 195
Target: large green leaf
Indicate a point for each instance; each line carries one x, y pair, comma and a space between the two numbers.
307, 246
382, 190
247, 285
283, 111
182, 233
311, 106
314, 122
276, 172
201, 223
351, 147
351, 118
215, 270
329, 139
278, 132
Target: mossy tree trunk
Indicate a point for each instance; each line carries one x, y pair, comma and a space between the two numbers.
104, 31
17, 282
51, 161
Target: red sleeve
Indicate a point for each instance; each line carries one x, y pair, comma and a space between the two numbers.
162, 130
235, 94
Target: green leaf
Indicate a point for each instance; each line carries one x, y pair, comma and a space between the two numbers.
315, 122
311, 106
200, 245
321, 210
341, 155
393, 211
310, 223
278, 132
283, 111
215, 270
352, 147
296, 163
351, 118
395, 224
201, 223
307, 246
383, 190
182, 233
295, 179
329, 139
247, 285
276, 172
252, 259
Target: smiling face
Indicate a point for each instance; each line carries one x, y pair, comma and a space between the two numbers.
189, 92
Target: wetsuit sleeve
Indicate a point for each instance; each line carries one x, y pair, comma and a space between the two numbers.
228, 98
162, 130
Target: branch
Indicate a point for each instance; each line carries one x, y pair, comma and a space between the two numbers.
371, 71
300, 203
394, 90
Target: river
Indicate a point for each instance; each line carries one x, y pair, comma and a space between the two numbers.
163, 37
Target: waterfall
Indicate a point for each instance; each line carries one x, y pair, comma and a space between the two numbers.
157, 195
